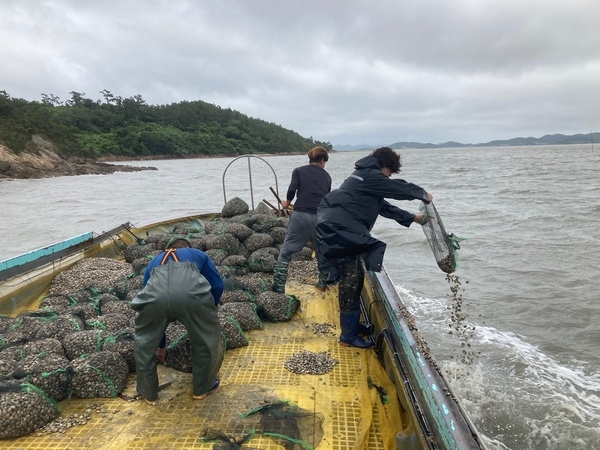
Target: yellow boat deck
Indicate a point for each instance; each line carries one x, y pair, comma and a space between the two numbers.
251, 377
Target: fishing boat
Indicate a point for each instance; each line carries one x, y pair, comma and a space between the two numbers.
392, 396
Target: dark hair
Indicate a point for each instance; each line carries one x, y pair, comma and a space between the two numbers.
388, 158
318, 154
178, 242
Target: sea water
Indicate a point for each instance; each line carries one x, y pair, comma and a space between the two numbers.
529, 267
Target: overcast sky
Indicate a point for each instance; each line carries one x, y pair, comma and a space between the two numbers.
343, 71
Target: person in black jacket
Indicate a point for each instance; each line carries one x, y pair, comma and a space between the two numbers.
309, 184
345, 218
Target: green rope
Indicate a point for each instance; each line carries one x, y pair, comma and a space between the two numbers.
224, 340
17, 324
54, 372
291, 299
115, 337
455, 244
94, 324
178, 340
50, 317
383, 395
99, 343
266, 407
48, 310
239, 328
32, 388
263, 285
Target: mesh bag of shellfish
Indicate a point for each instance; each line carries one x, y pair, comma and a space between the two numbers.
24, 327
234, 207
83, 342
109, 322
237, 297
231, 329
7, 366
12, 349
443, 245
99, 274
117, 306
100, 374
23, 409
49, 372
245, 313
46, 345
61, 326
261, 260
122, 288
257, 282
179, 348
122, 342
234, 265
277, 307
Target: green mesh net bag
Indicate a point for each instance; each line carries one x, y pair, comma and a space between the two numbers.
443, 245
290, 426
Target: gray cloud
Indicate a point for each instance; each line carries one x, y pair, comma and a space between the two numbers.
348, 72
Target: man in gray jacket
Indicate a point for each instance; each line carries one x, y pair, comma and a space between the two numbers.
345, 218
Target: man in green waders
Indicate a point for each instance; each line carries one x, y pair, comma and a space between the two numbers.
181, 284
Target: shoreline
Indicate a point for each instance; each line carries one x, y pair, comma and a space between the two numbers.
108, 159
45, 163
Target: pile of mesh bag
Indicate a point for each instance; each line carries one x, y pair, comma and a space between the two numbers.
80, 341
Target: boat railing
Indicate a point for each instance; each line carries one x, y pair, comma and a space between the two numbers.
249, 159
37, 258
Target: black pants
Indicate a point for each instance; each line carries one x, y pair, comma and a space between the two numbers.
351, 283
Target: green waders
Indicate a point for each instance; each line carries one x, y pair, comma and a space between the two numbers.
177, 291
280, 274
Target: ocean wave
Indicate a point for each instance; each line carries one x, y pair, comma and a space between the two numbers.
516, 394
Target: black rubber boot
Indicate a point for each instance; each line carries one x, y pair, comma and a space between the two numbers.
322, 282
349, 322
280, 274
365, 329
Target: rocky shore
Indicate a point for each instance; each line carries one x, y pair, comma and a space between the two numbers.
45, 163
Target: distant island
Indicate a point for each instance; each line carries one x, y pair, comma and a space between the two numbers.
549, 139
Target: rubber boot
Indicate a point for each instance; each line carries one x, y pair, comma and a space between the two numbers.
349, 322
322, 282
365, 329
280, 274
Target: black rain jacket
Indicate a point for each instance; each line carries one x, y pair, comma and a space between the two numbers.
346, 215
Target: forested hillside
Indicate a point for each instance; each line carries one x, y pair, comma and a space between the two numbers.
130, 127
